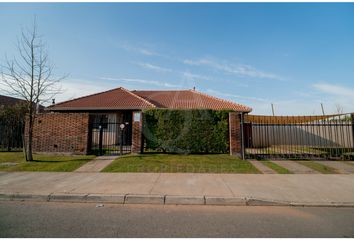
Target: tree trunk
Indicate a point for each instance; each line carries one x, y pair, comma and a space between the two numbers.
29, 142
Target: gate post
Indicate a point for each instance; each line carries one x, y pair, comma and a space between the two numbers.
137, 129
242, 120
100, 140
236, 134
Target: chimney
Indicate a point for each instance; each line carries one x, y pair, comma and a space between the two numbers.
53, 101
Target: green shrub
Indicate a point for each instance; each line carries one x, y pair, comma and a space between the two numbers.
186, 131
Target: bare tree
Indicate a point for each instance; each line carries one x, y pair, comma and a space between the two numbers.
339, 108
30, 76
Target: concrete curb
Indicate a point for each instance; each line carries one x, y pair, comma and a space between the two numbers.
163, 200
264, 202
62, 197
114, 198
185, 200
230, 201
144, 199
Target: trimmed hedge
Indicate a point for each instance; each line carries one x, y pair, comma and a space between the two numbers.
186, 131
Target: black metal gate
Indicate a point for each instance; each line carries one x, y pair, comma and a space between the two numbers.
110, 138
11, 135
300, 137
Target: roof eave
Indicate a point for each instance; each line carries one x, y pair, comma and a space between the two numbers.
96, 108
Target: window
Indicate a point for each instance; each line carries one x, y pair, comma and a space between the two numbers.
100, 120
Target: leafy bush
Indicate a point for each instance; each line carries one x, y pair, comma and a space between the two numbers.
186, 131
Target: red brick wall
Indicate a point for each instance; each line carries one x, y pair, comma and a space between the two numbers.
137, 129
235, 133
61, 133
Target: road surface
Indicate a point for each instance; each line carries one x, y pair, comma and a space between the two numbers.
30, 219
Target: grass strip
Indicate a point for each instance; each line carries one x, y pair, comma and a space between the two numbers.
173, 163
275, 167
41, 162
317, 167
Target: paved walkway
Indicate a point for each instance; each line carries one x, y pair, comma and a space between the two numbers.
341, 167
97, 164
295, 188
294, 167
262, 168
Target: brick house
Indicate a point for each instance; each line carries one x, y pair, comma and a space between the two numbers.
111, 122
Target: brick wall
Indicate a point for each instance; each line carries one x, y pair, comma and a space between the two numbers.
235, 133
61, 133
137, 129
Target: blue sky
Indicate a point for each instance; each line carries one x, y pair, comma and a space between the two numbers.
295, 55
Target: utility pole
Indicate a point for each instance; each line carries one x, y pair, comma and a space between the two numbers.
272, 108
323, 113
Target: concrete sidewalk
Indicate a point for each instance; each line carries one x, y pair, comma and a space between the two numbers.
180, 188
97, 164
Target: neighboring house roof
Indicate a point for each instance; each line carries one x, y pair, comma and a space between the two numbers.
121, 98
9, 101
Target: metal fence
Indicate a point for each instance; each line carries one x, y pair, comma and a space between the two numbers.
11, 135
304, 137
110, 138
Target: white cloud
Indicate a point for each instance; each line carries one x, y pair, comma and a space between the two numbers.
336, 90
4, 88
70, 88
154, 67
290, 107
191, 76
232, 68
142, 81
143, 51
334, 94
146, 52
74, 88
235, 96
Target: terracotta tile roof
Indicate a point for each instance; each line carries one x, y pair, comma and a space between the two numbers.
121, 98
118, 98
189, 99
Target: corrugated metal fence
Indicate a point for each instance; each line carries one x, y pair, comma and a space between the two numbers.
330, 136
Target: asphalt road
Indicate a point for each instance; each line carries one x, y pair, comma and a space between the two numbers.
29, 219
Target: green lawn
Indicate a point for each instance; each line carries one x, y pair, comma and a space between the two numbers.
47, 163
317, 167
275, 167
170, 163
